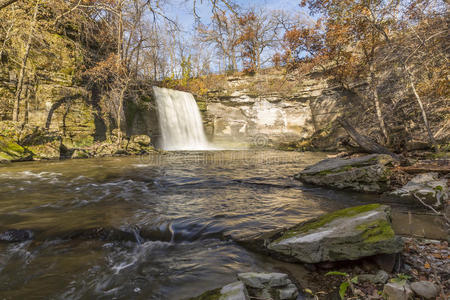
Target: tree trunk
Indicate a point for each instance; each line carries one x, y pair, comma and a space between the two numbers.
365, 142
422, 110
24, 64
376, 99
27, 103
413, 87
120, 36
119, 114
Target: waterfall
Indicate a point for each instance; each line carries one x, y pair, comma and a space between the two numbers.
179, 120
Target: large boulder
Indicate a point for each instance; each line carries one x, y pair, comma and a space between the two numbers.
370, 173
11, 151
428, 187
347, 234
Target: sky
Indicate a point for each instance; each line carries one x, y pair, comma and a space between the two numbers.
182, 10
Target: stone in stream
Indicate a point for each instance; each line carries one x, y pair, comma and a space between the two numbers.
234, 291
261, 280
370, 173
264, 286
425, 289
428, 187
16, 235
347, 234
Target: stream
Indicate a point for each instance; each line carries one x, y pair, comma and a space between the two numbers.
150, 227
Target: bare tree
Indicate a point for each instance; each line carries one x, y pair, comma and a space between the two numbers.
24, 63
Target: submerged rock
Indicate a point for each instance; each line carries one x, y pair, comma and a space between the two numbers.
16, 235
370, 173
428, 187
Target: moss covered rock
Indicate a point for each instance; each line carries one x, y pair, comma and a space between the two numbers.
11, 151
346, 234
370, 173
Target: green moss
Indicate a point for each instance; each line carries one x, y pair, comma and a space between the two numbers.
438, 188
325, 219
376, 231
209, 295
333, 171
68, 71
201, 106
146, 98
10, 150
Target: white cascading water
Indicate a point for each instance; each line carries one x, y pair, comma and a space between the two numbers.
179, 120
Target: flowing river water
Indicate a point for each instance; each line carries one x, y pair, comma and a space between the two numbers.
151, 227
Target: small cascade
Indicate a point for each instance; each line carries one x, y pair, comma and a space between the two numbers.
179, 120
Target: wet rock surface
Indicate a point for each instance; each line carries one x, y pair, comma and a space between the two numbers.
347, 234
16, 235
370, 173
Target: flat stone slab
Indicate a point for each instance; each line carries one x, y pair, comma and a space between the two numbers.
347, 234
370, 173
234, 291
261, 280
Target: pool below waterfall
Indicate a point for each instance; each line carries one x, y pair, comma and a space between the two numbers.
150, 227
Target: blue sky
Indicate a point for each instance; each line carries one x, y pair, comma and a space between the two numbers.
182, 10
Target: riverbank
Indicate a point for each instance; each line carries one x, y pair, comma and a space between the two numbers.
26, 143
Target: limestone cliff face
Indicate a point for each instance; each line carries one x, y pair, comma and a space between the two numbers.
272, 105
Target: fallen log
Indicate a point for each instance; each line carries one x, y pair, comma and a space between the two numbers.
365, 142
426, 169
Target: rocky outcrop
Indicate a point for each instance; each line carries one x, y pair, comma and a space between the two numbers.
27, 142
347, 234
428, 187
264, 286
369, 173
273, 104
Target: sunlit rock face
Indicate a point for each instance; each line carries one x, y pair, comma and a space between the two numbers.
250, 107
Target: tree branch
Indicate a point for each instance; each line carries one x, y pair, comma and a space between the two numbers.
7, 3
